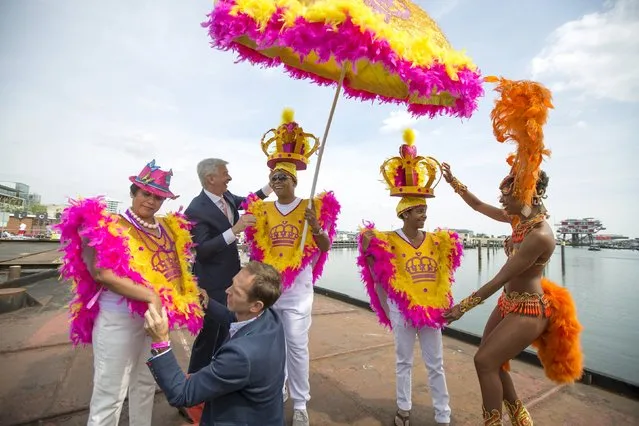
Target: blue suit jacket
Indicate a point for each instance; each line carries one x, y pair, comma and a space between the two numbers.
216, 262
242, 385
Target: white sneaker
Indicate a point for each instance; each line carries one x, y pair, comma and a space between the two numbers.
300, 418
285, 393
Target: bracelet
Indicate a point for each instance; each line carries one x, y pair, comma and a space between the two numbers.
470, 302
458, 187
160, 345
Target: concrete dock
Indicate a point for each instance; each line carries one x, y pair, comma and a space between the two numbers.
29, 254
45, 381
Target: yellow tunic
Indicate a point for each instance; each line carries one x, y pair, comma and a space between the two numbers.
276, 237
285, 234
156, 259
418, 270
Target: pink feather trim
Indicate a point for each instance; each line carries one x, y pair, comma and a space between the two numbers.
328, 221
346, 43
384, 272
383, 269
87, 219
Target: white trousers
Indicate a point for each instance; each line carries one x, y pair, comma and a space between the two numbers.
120, 350
430, 341
297, 324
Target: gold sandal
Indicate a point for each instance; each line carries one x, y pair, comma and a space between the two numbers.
492, 417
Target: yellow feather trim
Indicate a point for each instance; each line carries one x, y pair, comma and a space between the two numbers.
420, 49
409, 136
288, 115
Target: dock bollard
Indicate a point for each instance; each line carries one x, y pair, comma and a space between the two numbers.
15, 272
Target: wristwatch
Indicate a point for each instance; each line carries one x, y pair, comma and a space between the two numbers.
156, 352
159, 347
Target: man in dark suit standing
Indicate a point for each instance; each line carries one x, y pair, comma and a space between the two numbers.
243, 382
217, 226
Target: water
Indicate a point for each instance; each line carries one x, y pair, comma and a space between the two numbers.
603, 284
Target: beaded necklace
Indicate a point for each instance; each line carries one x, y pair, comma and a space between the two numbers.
523, 228
520, 231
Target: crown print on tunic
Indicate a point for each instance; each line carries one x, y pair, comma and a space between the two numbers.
421, 268
284, 234
166, 263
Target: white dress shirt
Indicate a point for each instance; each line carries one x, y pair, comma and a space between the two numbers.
236, 326
224, 207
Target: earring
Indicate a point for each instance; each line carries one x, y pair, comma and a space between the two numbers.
525, 211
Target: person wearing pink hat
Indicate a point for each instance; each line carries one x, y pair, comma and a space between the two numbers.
120, 264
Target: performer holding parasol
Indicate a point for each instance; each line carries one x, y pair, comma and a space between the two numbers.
531, 309
277, 239
408, 275
385, 50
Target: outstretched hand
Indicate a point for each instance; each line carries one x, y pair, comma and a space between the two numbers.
244, 222
156, 324
453, 314
448, 174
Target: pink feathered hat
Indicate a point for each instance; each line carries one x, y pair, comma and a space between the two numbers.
154, 180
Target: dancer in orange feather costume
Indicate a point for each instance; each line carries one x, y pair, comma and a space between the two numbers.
532, 310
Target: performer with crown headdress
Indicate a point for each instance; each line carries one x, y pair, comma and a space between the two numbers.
119, 265
531, 309
276, 237
408, 275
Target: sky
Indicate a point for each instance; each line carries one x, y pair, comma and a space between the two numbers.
92, 91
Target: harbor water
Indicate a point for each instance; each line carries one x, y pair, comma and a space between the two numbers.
603, 284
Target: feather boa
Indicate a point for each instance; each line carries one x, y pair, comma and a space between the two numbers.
88, 220
258, 241
383, 272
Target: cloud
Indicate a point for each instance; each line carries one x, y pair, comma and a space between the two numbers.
597, 54
397, 121
146, 85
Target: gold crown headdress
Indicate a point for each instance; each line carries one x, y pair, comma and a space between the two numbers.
292, 148
410, 176
519, 115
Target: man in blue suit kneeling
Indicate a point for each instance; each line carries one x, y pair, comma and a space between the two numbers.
243, 383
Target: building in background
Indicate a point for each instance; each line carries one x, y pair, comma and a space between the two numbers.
579, 231
464, 234
16, 194
113, 206
10, 197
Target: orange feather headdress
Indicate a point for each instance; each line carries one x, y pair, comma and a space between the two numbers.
519, 116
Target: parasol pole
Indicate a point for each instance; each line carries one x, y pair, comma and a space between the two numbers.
321, 149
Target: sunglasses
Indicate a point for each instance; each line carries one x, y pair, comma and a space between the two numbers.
279, 178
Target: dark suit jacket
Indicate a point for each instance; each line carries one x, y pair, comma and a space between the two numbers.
242, 385
216, 262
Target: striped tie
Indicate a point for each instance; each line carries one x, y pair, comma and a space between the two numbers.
226, 210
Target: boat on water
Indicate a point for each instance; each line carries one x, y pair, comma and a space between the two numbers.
594, 248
